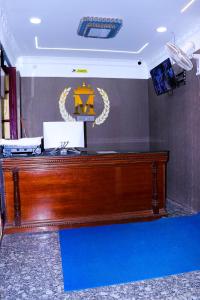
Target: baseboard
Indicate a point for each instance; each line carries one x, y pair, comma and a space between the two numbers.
179, 206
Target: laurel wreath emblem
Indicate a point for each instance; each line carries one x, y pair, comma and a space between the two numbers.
65, 115
98, 121
103, 116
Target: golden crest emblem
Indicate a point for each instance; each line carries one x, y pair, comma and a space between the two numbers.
84, 111
88, 108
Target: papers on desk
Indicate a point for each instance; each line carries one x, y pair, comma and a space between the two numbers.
106, 152
24, 142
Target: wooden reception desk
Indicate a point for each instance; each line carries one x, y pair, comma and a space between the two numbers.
51, 192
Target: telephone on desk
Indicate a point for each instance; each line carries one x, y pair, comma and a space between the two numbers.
63, 151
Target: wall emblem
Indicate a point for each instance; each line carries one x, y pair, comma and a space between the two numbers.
84, 109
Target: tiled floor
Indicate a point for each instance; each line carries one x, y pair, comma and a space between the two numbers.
30, 268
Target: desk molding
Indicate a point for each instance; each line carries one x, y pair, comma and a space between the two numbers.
48, 193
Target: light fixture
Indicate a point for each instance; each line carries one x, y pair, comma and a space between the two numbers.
102, 28
35, 20
187, 6
37, 46
161, 29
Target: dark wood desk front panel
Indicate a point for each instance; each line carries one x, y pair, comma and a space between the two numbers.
50, 192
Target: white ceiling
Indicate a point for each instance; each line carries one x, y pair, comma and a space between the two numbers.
60, 20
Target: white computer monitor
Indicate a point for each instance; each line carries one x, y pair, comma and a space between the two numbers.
57, 134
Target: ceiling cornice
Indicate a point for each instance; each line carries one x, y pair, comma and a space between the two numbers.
39, 66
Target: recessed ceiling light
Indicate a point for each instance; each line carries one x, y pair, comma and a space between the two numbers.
161, 29
35, 20
187, 6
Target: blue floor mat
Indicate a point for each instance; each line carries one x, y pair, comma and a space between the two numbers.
113, 254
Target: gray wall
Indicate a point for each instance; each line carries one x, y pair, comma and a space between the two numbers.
175, 126
172, 122
127, 126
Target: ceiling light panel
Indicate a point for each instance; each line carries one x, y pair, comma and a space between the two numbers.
102, 28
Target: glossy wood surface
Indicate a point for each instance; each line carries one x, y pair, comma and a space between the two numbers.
43, 193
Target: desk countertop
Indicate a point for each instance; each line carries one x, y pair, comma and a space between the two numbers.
81, 153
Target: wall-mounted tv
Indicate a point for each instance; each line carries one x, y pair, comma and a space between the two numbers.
164, 79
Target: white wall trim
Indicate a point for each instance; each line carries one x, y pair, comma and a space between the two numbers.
39, 66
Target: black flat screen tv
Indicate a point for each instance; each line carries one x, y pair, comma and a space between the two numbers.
164, 79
